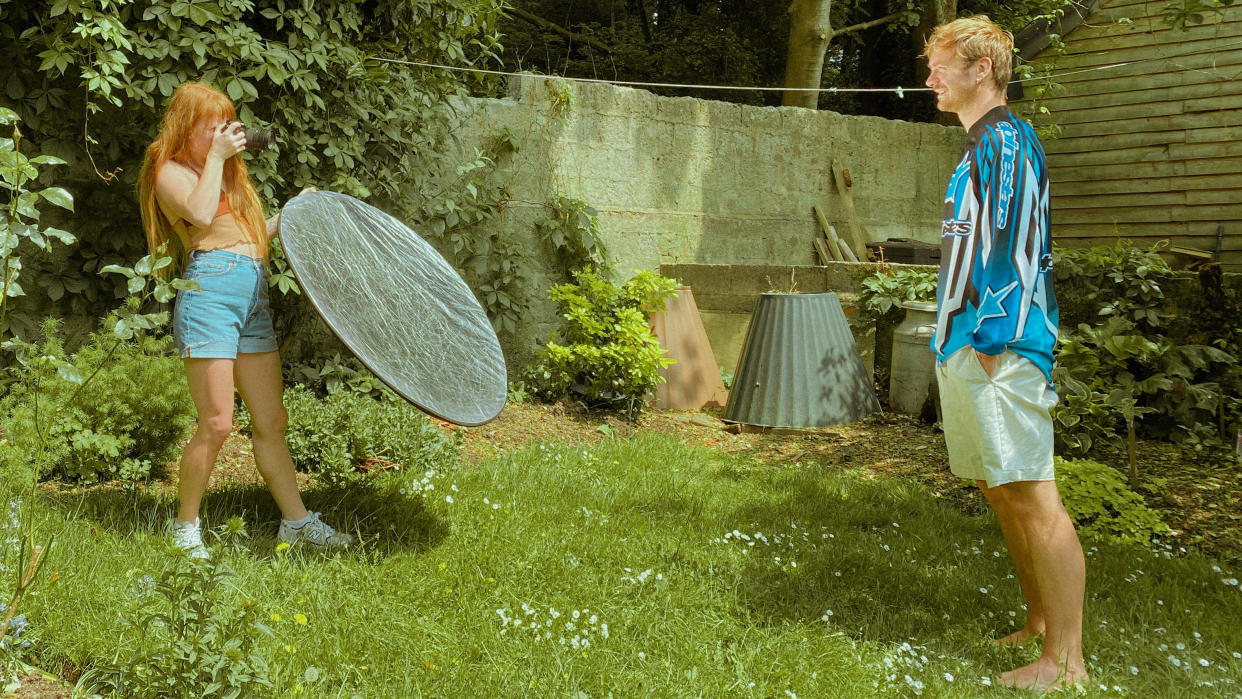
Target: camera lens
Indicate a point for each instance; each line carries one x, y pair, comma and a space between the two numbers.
259, 139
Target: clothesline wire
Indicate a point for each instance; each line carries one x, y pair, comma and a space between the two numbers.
899, 91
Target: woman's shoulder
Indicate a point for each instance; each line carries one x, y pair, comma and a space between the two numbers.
174, 169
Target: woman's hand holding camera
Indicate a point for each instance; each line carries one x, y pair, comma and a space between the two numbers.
228, 140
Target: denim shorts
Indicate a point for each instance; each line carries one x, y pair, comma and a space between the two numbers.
230, 313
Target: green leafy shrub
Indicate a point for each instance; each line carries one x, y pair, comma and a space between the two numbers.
334, 436
199, 637
125, 421
324, 374
1097, 499
1112, 280
1124, 368
883, 292
572, 232
607, 355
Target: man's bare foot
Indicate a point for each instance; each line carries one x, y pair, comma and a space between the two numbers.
1045, 675
1021, 637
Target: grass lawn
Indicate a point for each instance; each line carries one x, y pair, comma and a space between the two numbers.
637, 565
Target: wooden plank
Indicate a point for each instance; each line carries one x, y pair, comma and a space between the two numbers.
1104, 201
1069, 217
1134, 8
1178, 122
1130, 21
1147, 214
1064, 146
1129, 111
1214, 196
830, 235
1109, 24
846, 252
1157, 230
1210, 135
1212, 104
1170, 93
1212, 166
853, 227
1059, 146
1200, 239
1093, 173
1117, 156
1130, 8
1139, 199
1199, 151
1143, 83
1227, 29
1229, 244
1141, 111
822, 250
1123, 54
1070, 190
1198, 61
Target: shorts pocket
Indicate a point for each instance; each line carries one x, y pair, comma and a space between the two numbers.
207, 269
971, 368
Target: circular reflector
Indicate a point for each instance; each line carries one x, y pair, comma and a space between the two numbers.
397, 305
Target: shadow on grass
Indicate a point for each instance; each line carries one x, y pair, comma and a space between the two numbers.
882, 582
385, 521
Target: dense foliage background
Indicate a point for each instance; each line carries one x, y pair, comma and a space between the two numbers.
740, 42
89, 79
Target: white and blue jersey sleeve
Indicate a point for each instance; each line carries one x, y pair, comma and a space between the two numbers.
995, 290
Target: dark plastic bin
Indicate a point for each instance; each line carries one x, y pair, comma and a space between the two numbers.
906, 251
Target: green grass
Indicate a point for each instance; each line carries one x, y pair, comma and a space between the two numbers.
638, 535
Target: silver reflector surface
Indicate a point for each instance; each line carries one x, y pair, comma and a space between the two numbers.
397, 305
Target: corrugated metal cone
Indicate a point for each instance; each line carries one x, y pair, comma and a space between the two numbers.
694, 380
799, 366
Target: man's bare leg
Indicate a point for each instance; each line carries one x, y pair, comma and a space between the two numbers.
1015, 541
1060, 574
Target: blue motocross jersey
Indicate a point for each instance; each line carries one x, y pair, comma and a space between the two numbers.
995, 290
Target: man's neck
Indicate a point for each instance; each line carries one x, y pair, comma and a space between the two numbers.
970, 116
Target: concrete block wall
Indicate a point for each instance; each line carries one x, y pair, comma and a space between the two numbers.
688, 181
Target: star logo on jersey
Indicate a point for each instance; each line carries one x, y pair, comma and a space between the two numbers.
993, 303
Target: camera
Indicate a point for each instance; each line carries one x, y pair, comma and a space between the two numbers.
259, 139
256, 139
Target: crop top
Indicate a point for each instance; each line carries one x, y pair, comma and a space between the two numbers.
225, 231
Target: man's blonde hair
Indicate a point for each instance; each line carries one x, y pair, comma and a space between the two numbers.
973, 38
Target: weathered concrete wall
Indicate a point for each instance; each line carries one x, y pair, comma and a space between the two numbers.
680, 180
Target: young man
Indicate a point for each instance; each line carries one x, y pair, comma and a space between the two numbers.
995, 330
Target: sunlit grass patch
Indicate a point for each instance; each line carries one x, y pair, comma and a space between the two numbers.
638, 567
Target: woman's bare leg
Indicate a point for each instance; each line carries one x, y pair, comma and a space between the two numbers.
211, 387
261, 387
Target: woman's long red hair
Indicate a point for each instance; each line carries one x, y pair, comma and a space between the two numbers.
192, 104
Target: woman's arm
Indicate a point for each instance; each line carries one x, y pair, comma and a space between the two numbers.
273, 223
195, 197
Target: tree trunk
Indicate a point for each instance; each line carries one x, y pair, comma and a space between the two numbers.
810, 31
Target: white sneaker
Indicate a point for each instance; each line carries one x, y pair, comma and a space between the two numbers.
188, 537
314, 532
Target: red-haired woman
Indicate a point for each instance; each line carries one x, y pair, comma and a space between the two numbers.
194, 187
